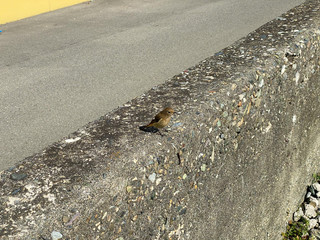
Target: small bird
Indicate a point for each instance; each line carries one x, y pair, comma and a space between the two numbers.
161, 120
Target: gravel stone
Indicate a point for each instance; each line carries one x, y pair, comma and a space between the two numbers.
298, 214
314, 202
65, 219
315, 233
310, 211
18, 176
312, 223
316, 186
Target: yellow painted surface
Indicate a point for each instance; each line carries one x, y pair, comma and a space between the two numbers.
12, 10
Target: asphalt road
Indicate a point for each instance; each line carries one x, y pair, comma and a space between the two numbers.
61, 70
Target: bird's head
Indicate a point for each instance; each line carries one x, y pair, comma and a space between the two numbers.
168, 111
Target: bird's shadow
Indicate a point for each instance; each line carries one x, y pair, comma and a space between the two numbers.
149, 129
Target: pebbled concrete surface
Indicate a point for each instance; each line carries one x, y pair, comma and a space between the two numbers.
63, 69
233, 164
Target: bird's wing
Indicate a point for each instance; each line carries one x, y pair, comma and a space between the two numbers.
156, 119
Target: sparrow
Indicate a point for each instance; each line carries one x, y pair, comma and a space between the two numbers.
161, 120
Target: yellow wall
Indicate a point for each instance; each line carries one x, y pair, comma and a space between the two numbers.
12, 10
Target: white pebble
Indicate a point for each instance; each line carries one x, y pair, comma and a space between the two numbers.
152, 177
308, 194
316, 186
56, 235
261, 83
297, 77
71, 140
294, 118
158, 181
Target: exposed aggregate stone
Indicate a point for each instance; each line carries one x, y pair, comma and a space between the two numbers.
225, 155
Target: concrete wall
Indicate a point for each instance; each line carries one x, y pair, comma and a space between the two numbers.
234, 164
13, 10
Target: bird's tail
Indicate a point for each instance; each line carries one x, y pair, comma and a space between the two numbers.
149, 129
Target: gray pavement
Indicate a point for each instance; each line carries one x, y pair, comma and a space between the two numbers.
62, 69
